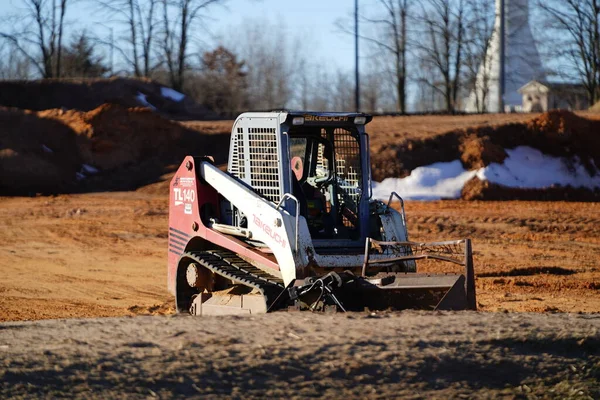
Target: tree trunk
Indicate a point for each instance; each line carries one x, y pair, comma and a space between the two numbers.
133, 33
63, 10
403, 41
178, 84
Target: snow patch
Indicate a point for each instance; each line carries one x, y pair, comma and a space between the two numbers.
433, 182
171, 94
525, 167
88, 169
141, 97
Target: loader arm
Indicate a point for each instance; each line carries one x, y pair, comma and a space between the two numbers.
267, 223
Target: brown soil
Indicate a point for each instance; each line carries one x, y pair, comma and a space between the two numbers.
557, 133
529, 256
478, 152
111, 136
105, 254
134, 147
476, 189
405, 355
82, 255
131, 147
595, 108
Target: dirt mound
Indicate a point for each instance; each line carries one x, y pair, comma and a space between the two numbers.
112, 136
398, 159
88, 94
556, 133
109, 148
564, 134
478, 152
36, 155
595, 107
132, 147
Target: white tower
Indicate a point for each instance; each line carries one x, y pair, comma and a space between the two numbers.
512, 60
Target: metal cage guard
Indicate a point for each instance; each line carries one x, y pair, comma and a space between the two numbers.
433, 250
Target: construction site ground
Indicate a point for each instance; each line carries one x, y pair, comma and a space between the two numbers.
69, 256
97, 255
408, 355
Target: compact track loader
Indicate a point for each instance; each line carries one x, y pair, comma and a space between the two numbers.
292, 225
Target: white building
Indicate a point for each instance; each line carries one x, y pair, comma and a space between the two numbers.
539, 96
516, 56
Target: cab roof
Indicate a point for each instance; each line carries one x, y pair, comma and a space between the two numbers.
315, 118
310, 118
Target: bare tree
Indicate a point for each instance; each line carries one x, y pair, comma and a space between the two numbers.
274, 64
443, 47
479, 29
577, 23
13, 64
389, 34
140, 19
377, 93
38, 34
319, 89
147, 26
178, 17
342, 92
304, 81
321, 97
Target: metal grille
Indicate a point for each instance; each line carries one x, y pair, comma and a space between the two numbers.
322, 167
237, 166
348, 170
264, 162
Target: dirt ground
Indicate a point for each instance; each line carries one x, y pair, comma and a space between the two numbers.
409, 355
92, 255
529, 256
82, 255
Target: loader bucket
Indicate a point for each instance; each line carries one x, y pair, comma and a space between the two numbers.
414, 290
407, 291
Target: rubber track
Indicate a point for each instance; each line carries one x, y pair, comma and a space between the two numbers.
230, 266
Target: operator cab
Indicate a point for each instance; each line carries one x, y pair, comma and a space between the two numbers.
327, 175
322, 159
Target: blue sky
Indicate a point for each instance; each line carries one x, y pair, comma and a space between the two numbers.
310, 19
313, 20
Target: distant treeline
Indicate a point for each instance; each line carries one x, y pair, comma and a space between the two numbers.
417, 55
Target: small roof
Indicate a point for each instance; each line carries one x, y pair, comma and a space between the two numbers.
552, 85
534, 82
